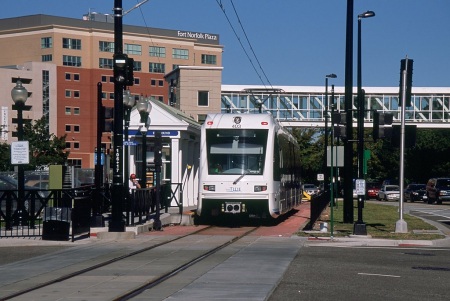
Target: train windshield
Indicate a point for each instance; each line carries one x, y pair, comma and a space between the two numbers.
236, 152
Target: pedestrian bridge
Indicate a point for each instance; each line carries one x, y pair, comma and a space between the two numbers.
302, 106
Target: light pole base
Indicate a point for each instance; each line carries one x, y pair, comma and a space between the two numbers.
359, 228
157, 225
97, 221
401, 226
117, 226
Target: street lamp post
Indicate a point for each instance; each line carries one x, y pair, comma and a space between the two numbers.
128, 103
20, 95
144, 107
325, 183
359, 226
157, 225
332, 181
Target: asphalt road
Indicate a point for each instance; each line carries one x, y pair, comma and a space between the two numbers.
361, 273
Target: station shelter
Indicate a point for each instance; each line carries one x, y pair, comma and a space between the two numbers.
180, 152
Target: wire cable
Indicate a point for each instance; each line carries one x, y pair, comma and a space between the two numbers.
219, 2
249, 44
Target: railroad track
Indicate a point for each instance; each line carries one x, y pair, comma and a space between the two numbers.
157, 263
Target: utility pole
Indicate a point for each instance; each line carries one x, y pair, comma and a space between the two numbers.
348, 147
117, 223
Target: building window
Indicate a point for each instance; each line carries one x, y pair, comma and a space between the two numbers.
47, 58
153, 82
68, 93
67, 144
46, 96
137, 66
105, 63
46, 42
76, 128
68, 111
104, 95
106, 46
70, 60
175, 66
157, 51
76, 94
133, 49
69, 43
74, 162
161, 83
111, 96
203, 98
157, 67
76, 77
160, 98
201, 118
209, 59
76, 145
137, 81
76, 111
68, 128
68, 76
104, 78
180, 54
111, 79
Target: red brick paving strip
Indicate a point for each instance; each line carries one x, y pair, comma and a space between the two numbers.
286, 228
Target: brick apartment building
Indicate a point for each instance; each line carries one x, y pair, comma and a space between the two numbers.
61, 61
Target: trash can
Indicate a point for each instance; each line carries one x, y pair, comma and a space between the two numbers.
56, 225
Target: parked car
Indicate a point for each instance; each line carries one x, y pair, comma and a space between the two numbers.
372, 189
415, 192
389, 193
310, 189
438, 190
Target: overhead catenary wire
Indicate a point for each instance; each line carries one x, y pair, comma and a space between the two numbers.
250, 44
219, 2
145, 23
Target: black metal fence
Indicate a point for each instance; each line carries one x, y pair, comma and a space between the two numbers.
63, 214
318, 204
52, 214
142, 203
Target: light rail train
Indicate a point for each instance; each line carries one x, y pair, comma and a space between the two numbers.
249, 167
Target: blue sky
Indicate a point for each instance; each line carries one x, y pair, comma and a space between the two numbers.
296, 42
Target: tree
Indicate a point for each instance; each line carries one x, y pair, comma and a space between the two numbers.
5, 157
46, 149
429, 158
311, 153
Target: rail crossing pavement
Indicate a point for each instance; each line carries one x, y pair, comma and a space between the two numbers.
249, 271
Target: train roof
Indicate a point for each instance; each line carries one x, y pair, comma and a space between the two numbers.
244, 120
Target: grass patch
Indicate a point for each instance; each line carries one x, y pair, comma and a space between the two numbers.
380, 222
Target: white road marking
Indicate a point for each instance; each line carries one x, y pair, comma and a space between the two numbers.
379, 275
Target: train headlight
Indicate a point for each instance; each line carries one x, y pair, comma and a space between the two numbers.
209, 187
260, 188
